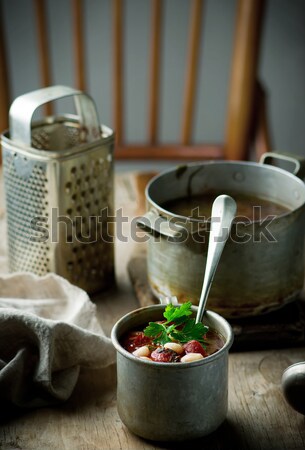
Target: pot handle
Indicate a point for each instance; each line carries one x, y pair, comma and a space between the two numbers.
298, 162
156, 225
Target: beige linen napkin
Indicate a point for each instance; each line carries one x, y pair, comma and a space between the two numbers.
48, 331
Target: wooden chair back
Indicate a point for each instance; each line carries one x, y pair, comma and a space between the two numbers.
246, 110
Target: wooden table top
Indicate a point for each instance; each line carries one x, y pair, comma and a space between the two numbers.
258, 416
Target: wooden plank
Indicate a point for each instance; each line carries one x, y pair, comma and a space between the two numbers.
43, 48
154, 97
192, 71
79, 52
262, 132
243, 78
118, 69
258, 416
170, 152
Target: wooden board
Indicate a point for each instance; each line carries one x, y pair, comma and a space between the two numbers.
281, 328
258, 416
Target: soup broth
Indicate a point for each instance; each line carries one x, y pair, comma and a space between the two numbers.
138, 344
249, 206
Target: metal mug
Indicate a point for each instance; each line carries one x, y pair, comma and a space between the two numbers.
293, 386
171, 401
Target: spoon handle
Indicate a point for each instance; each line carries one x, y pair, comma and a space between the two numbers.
223, 213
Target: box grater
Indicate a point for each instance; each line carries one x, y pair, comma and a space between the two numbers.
58, 179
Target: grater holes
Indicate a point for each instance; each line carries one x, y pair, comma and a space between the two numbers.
68, 186
71, 134
24, 203
79, 235
92, 189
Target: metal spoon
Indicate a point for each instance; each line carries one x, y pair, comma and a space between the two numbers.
223, 213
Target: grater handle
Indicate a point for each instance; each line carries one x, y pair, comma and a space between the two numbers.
23, 108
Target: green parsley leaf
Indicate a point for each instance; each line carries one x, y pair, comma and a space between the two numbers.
157, 331
173, 313
190, 331
179, 326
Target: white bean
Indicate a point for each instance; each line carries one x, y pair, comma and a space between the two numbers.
191, 357
174, 346
142, 351
146, 358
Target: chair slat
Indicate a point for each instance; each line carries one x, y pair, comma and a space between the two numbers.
243, 78
78, 25
118, 69
154, 98
191, 70
241, 105
262, 133
170, 152
43, 48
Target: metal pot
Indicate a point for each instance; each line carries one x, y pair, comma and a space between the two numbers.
171, 401
262, 266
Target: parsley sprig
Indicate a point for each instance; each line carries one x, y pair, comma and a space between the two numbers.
178, 326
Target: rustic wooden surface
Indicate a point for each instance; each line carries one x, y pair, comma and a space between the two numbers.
258, 416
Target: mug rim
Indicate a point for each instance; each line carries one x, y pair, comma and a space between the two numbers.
156, 364
292, 366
